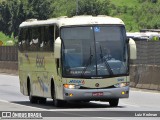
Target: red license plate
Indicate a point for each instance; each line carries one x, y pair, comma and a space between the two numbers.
97, 94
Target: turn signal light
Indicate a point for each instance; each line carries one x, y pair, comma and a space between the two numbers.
120, 85
70, 94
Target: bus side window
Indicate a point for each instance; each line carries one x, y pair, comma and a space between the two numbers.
42, 38
24, 39
49, 38
34, 40
28, 39
20, 38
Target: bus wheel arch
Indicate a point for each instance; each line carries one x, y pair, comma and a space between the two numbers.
56, 102
52, 88
28, 86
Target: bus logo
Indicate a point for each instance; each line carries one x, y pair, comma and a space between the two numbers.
40, 61
80, 82
97, 84
6, 114
120, 79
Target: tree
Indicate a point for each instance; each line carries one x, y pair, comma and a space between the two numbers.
17, 16
147, 16
94, 7
14, 12
5, 16
39, 9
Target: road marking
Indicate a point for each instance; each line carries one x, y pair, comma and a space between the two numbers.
122, 104
131, 105
109, 118
147, 92
21, 105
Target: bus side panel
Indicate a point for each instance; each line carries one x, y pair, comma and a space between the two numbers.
33, 73
51, 72
23, 83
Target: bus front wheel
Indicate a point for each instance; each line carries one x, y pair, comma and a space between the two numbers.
114, 102
56, 102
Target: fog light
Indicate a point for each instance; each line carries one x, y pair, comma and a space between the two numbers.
66, 94
123, 93
70, 94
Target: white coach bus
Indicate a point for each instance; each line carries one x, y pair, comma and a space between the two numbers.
82, 58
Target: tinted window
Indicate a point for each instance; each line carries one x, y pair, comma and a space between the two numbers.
22, 43
34, 38
39, 38
48, 38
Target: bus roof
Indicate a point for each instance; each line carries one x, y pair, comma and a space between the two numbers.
75, 20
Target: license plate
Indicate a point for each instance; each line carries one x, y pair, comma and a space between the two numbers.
97, 94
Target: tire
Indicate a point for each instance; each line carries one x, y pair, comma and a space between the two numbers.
59, 103
86, 101
42, 100
56, 102
32, 99
114, 102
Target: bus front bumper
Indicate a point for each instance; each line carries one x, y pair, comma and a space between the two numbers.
95, 94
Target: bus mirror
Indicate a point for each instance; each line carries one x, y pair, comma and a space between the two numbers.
57, 48
133, 49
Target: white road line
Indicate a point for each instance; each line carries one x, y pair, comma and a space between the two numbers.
86, 109
22, 105
121, 104
108, 118
147, 92
131, 105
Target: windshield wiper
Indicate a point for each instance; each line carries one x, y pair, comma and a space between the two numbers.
89, 61
105, 62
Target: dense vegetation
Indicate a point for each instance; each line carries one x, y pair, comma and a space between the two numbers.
137, 14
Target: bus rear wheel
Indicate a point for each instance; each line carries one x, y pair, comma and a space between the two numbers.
42, 100
114, 102
32, 99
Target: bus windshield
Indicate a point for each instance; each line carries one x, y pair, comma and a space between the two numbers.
94, 51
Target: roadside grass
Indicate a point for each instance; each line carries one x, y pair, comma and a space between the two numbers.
128, 3
5, 39
124, 9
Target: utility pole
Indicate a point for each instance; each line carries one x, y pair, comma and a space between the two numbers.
77, 7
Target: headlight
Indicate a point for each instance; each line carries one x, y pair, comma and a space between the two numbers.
119, 85
69, 86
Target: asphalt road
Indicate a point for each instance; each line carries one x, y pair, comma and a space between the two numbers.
140, 101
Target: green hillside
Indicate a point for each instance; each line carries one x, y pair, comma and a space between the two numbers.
124, 9
129, 3
136, 14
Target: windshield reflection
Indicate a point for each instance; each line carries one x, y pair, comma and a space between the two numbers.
94, 51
